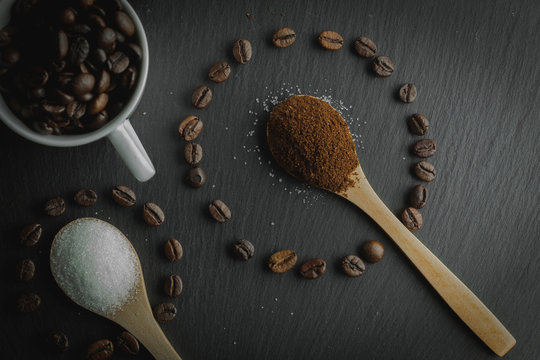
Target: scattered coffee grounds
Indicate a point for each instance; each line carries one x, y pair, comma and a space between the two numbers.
372, 251
28, 302
100, 350
94, 265
312, 142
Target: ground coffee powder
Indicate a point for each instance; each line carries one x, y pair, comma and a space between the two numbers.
312, 142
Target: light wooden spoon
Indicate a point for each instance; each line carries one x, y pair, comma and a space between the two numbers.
136, 315
462, 300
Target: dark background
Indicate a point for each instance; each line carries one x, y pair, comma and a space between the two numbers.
476, 68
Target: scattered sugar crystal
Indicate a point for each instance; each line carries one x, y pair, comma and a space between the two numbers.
272, 223
275, 299
292, 313
95, 265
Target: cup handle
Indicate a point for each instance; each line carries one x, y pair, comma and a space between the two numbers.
129, 147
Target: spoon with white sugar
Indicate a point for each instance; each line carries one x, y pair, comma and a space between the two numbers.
312, 142
97, 267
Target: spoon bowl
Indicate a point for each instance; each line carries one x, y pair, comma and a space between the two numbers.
112, 288
299, 136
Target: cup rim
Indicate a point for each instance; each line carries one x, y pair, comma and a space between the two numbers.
21, 128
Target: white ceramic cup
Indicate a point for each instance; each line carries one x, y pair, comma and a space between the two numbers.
118, 130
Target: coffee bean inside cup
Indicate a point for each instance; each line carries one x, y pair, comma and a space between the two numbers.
68, 69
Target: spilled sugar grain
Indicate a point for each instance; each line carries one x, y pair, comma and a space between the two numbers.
95, 266
255, 138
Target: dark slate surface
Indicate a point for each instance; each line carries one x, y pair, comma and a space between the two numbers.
476, 68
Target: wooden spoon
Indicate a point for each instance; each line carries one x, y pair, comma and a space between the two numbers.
136, 315
462, 300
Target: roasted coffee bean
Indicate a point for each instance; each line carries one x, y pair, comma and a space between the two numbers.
36, 77
425, 148
282, 261
123, 196
75, 110
28, 302
99, 55
133, 50
190, 128
152, 214
118, 62
42, 127
165, 312
365, 47
383, 66
9, 57
98, 104
103, 81
418, 124
330, 40
372, 251
67, 16
313, 268
193, 153
407, 93
53, 109
219, 211
243, 249
353, 266
242, 51
79, 48
425, 171
96, 21
411, 218
65, 79
284, 37
30, 234
124, 23
120, 37
83, 83
85, 97
100, 350
173, 286
128, 78
63, 97
25, 269
418, 196
5, 38
201, 97
106, 39
62, 45
86, 4
38, 93
59, 341
55, 206
127, 343
85, 197
173, 249
220, 71
81, 29
196, 177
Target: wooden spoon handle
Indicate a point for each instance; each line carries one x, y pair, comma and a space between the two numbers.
462, 300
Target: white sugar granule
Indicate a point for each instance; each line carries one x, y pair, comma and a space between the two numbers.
95, 265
